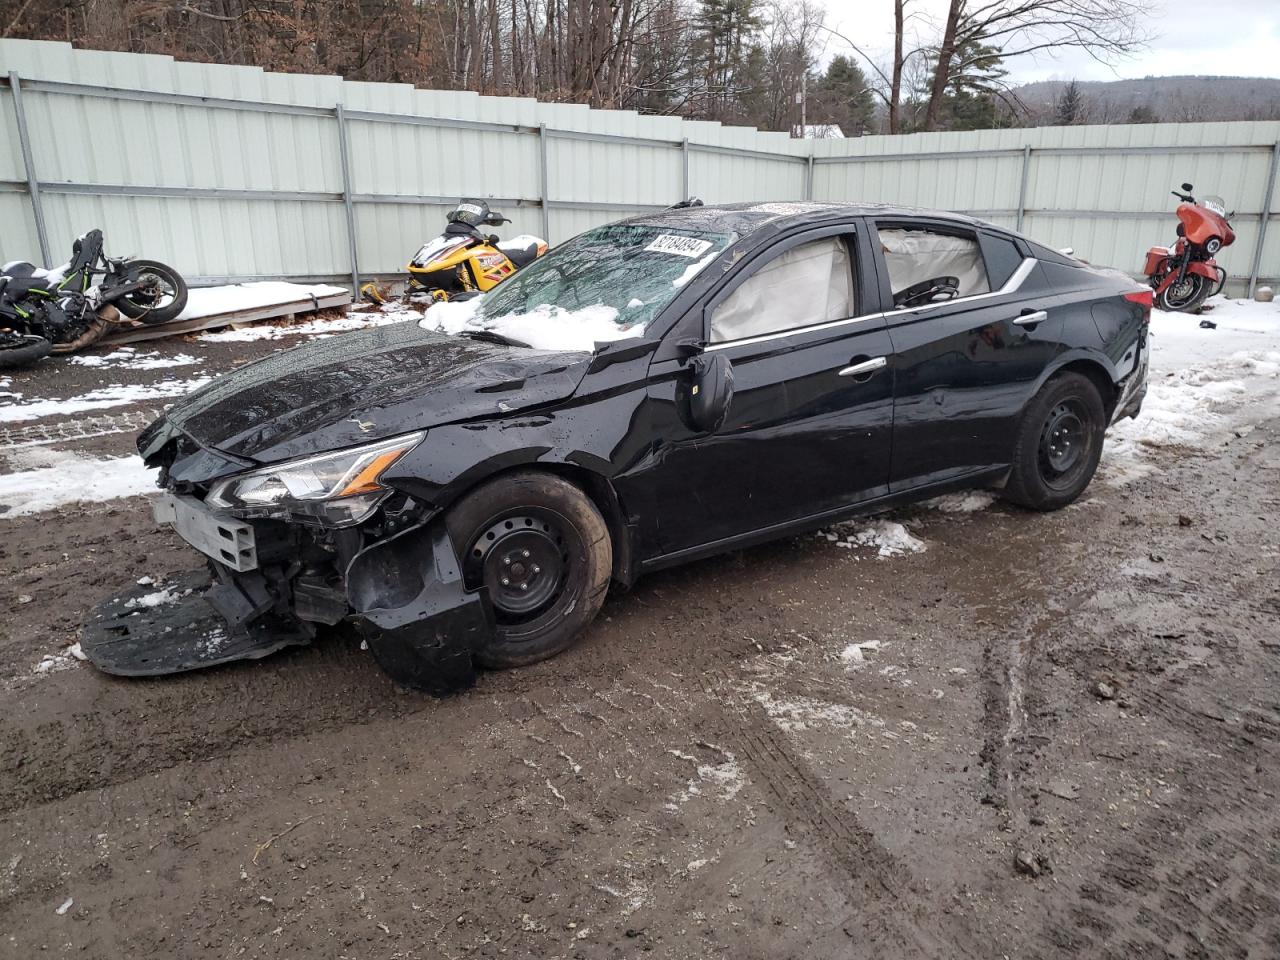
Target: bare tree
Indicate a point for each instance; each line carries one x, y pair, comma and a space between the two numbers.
1106, 29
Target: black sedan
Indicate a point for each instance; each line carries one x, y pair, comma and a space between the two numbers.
656, 390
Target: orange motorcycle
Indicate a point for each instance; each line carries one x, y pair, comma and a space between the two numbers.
1185, 275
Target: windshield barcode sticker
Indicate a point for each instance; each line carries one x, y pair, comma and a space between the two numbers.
680, 246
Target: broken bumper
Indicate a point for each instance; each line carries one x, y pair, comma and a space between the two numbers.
274, 583
1133, 388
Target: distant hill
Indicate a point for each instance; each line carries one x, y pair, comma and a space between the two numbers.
1161, 99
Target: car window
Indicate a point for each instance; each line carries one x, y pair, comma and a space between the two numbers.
1003, 258
810, 283
927, 266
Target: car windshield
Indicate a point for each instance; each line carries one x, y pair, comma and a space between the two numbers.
606, 284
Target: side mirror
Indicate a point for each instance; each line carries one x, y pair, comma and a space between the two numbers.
493, 239
710, 391
1187, 188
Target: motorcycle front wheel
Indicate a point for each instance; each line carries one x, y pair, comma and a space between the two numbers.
163, 297
1185, 295
22, 349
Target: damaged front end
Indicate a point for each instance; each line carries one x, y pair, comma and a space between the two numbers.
294, 547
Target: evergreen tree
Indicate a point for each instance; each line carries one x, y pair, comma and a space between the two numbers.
723, 29
1070, 106
1143, 114
842, 96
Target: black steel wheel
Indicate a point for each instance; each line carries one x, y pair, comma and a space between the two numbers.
1059, 444
1064, 444
540, 549
162, 298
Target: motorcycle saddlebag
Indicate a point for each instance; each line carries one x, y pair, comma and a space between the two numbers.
1156, 257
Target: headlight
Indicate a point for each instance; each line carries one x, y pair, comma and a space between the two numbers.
336, 489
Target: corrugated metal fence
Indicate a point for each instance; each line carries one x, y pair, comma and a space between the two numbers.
233, 173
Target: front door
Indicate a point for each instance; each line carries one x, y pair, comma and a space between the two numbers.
808, 428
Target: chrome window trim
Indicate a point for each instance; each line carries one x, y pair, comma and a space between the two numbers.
1012, 285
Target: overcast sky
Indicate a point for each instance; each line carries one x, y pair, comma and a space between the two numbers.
1220, 38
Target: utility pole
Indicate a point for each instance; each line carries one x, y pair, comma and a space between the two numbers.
802, 98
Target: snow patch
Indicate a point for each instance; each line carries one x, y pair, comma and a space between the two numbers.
888, 537
73, 479
971, 501
799, 713
129, 358
693, 269
1203, 384
156, 599
318, 329
209, 301
855, 653
114, 396
545, 327
55, 662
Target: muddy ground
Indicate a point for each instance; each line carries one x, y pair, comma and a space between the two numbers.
799, 750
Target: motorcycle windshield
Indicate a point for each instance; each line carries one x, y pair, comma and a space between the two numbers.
1215, 204
437, 249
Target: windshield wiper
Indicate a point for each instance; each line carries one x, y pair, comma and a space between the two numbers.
491, 336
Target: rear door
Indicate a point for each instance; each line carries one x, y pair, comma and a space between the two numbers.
973, 326
808, 429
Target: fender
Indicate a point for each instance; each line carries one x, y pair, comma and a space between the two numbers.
1205, 268
1095, 358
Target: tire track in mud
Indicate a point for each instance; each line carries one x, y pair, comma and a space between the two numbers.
1196, 874
888, 915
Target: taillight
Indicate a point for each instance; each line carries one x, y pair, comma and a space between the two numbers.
1144, 299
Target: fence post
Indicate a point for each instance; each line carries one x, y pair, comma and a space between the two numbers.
1022, 190
33, 182
542, 167
1266, 216
684, 159
346, 199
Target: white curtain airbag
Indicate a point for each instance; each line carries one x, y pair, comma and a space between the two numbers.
914, 256
809, 284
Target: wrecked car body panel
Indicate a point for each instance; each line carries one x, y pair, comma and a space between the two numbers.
801, 444
418, 618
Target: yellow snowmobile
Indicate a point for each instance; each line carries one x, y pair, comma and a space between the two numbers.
462, 261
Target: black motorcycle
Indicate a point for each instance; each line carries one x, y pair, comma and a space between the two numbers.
68, 308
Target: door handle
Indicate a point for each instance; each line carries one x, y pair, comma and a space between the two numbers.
1031, 319
864, 367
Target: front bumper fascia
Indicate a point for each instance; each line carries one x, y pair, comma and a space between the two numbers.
421, 623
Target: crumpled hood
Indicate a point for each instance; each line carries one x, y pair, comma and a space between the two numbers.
361, 387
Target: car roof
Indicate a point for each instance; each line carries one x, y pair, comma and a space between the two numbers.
744, 218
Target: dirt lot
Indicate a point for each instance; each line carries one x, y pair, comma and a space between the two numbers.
802, 750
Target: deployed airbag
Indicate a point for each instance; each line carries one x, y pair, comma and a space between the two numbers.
808, 284
914, 256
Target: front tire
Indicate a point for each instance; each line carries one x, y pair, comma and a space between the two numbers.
1186, 296
541, 549
1059, 444
162, 301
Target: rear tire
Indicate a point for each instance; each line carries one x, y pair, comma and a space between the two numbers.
172, 293
22, 350
1059, 444
541, 549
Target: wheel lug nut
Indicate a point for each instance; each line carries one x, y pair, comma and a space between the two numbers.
524, 586
506, 561
506, 582
537, 569
524, 553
